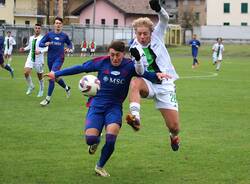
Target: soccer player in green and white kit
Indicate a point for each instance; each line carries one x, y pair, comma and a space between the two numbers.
218, 49
35, 59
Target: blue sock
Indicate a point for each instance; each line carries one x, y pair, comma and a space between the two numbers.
51, 87
107, 149
61, 83
92, 139
7, 67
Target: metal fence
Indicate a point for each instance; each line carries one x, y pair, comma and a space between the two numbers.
230, 34
102, 35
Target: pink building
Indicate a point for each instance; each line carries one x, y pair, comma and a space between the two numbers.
113, 12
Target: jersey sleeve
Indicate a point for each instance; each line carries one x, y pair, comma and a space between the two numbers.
88, 66
28, 47
44, 40
151, 76
68, 42
162, 24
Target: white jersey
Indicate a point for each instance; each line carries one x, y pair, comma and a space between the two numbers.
218, 50
8, 44
32, 48
157, 45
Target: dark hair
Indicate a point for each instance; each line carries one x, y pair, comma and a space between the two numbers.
37, 24
117, 45
219, 39
8, 31
58, 18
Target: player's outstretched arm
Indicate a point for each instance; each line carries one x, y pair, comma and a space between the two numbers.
139, 67
161, 26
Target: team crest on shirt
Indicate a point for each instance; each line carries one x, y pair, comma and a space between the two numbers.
115, 73
105, 78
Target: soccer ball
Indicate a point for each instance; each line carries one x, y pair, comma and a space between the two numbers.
89, 85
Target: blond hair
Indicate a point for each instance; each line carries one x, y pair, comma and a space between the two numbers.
143, 21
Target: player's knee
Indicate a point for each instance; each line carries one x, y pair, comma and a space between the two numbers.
92, 139
135, 84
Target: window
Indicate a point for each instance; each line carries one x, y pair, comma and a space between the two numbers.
2, 2
185, 2
27, 22
226, 24
103, 22
197, 16
244, 7
243, 23
115, 22
2, 22
226, 7
197, 2
87, 22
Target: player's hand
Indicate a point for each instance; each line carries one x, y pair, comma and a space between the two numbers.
66, 50
50, 75
135, 53
162, 76
48, 43
37, 52
155, 5
21, 49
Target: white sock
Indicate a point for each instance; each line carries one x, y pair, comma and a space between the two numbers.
48, 98
218, 65
41, 83
134, 108
29, 81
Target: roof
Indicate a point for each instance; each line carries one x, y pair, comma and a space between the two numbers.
126, 6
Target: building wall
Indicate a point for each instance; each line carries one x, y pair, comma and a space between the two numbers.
109, 14
21, 20
6, 12
194, 6
216, 15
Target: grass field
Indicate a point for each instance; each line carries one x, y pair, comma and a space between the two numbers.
44, 145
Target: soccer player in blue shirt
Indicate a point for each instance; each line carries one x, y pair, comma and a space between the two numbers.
6, 67
55, 41
195, 44
115, 73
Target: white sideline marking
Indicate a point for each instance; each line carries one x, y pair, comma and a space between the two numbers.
210, 74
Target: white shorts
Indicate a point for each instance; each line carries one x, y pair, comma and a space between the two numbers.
92, 50
8, 51
84, 49
163, 94
215, 58
38, 66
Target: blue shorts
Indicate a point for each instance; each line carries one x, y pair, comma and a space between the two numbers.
55, 65
98, 117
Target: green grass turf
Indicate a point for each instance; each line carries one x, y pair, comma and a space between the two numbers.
44, 145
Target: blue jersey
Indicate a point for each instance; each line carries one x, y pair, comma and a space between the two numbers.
56, 49
195, 44
114, 80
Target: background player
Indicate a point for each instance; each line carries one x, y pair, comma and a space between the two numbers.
92, 48
150, 42
218, 49
9, 42
6, 67
114, 73
84, 48
35, 59
55, 41
195, 44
